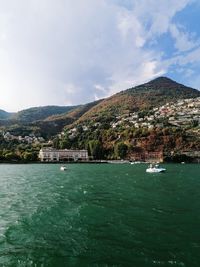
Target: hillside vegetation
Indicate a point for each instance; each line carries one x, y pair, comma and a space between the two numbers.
40, 113
5, 115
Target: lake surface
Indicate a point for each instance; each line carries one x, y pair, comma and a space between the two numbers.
99, 215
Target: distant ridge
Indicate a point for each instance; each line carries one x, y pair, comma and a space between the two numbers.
5, 115
40, 113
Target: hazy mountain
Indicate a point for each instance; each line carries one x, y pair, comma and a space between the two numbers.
5, 115
40, 113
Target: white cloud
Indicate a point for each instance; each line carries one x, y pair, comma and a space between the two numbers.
183, 41
100, 88
72, 52
184, 61
157, 16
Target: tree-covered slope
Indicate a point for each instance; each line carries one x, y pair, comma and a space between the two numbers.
4, 115
54, 124
40, 113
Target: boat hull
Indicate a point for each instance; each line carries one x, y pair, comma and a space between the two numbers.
155, 170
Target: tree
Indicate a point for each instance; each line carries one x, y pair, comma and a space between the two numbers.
11, 156
30, 156
65, 143
121, 150
95, 149
194, 123
56, 142
1, 155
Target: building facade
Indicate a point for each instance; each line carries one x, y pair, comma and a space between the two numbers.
56, 155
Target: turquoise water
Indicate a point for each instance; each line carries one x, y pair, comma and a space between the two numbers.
99, 215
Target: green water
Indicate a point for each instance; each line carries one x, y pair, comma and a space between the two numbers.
99, 215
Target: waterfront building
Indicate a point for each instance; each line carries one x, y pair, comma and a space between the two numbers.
56, 155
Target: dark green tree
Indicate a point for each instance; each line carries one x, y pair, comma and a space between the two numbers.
30, 156
95, 149
121, 150
56, 142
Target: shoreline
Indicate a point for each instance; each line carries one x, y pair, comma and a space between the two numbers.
94, 162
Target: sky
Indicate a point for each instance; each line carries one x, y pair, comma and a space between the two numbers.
68, 52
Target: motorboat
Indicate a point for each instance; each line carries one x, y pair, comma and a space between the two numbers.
155, 168
63, 168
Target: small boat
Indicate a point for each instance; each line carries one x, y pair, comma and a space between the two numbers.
63, 168
155, 169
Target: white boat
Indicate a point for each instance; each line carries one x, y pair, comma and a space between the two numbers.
63, 168
155, 169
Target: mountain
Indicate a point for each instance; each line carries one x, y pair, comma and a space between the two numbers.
171, 130
152, 94
40, 113
29, 120
74, 113
160, 116
5, 115
55, 123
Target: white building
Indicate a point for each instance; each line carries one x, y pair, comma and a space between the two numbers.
54, 155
